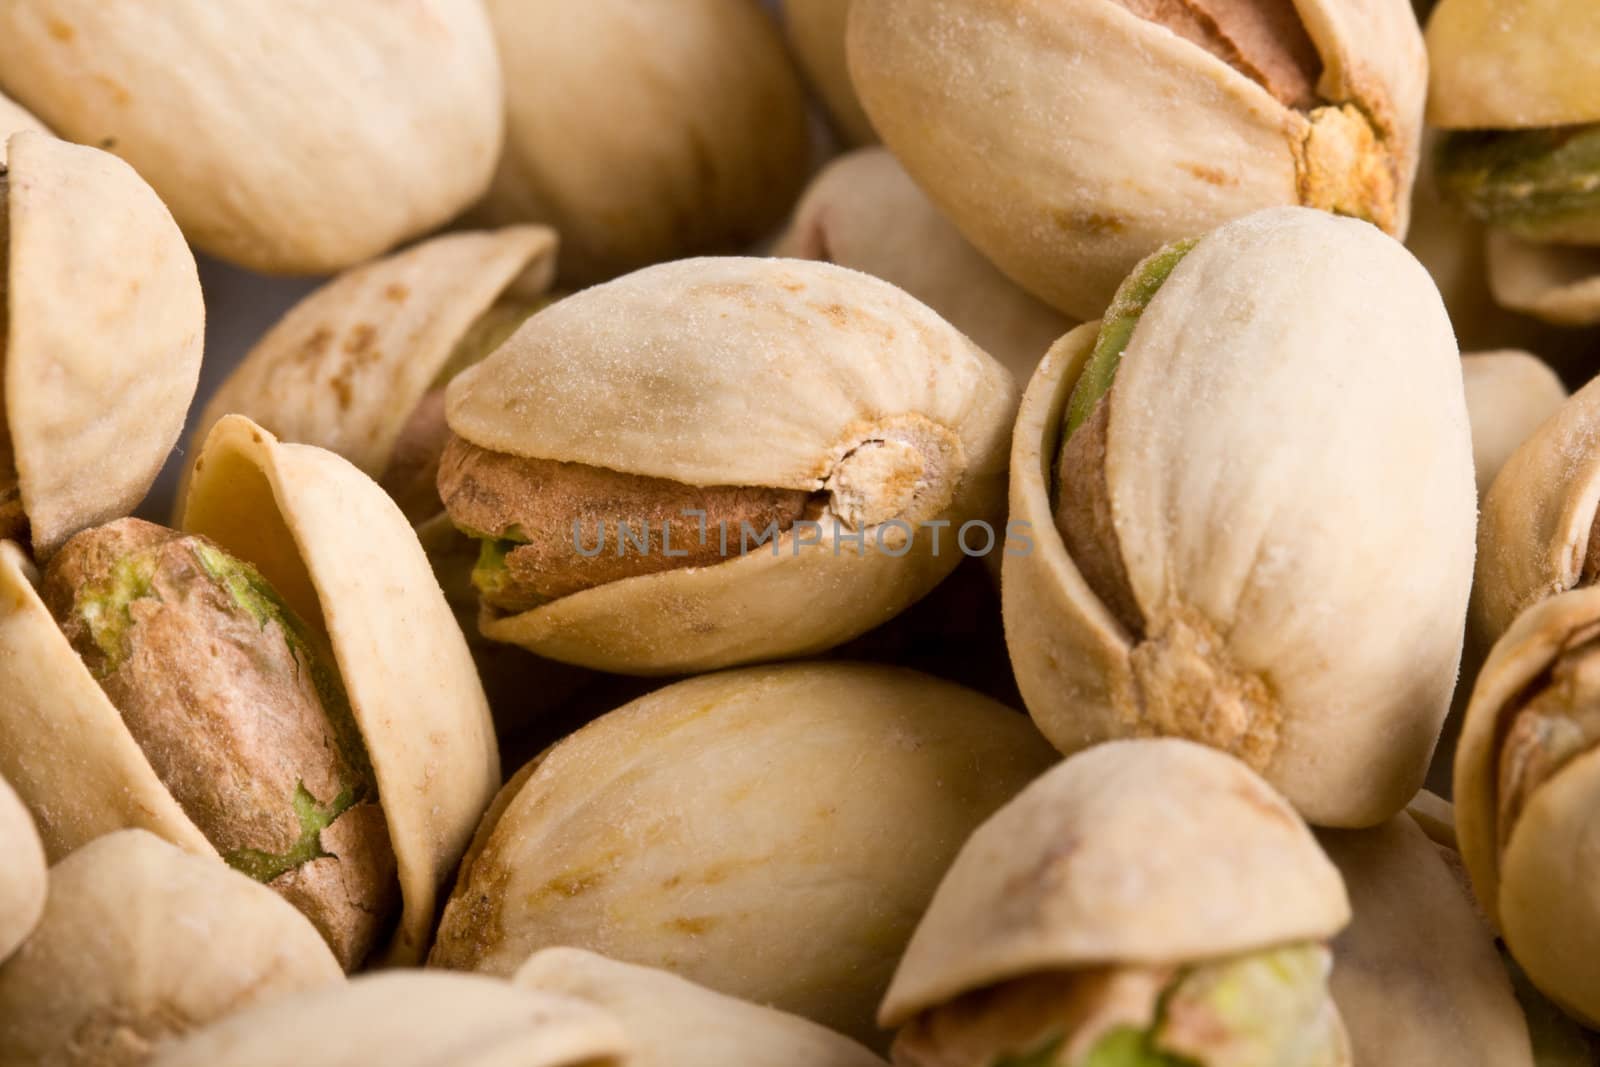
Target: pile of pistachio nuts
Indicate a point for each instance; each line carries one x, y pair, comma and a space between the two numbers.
953, 533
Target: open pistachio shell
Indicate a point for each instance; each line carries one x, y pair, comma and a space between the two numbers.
1496, 65
1554, 283
409, 1019
13, 119
771, 374
816, 30
646, 132
103, 331
1028, 122
771, 833
22, 876
342, 557
1269, 610
142, 942
674, 1023
864, 212
1416, 974
1509, 396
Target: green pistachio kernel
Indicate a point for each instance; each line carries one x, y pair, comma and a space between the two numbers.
1542, 184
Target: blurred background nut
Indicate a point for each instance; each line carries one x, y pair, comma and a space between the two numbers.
22, 875
101, 327
1069, 139
646, 132
1224, 551
12, 120
289, 137
1143, 902
141, 942
816, 31
1509, 396
771, 833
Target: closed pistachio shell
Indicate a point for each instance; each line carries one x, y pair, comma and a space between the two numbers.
1510, 66
1028, 122
22, 878
13, 119
816, 31
1554, 283
674, 1023
142, 942
293, 137
864, 212
1509, 396
409, 1019
646, 132
771, 833
103, 335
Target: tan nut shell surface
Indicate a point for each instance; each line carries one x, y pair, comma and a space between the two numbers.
287, 135
141, 941
816, 31
1509, 396
1498, 64
1157, 852
674, 1023
1274, 526
748, 372
104, 334
772, 833
1556, 283
13, 119
1024, 121
22, 875
410, 1019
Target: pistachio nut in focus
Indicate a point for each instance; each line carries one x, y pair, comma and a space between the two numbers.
141, 943
1222, 553
22, 878
281, 684
719, 461
1150, 903
816, 30
1509, 396
270, 127
101, 328
771, 833
1068, 139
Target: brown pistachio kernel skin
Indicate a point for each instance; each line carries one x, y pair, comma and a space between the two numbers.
1083, 515
1262, 39
239, 716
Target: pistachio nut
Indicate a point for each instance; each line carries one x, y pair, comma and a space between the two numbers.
661, 468
864, 212
22, 877
142, 942
1558, 284
1525, 789
1070, 138
1144, 902
288, 137
646, 132
409, 1019
1416, 974
12, 120
101, 327
771, 833
297, 587
1220, 552
1509, 396
674, 1023
816, 31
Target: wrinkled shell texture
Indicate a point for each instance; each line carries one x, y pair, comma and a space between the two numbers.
1509, 396
772, 833
1499, 65
1268, 533
278, 174
22, 877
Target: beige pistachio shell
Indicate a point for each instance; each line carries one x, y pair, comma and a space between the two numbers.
294, 137
748, 372
1436, 817
13, 119
1159, 852
1416, 974
1509, 396
646, 132
1270, 590
864, 212
1070, 138
142, 942
771, 833
1559, 284
410, 1019
816, 30
1499, 65
22, 874
104, 329
674, 1023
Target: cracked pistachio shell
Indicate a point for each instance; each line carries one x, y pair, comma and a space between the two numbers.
12, 120
342, 556
864, 212
1271, 589
771, 833
1416, 974
1135, 852
1499, 65
142, 942
646, 132
22, 875
816, 30
674, 1023
1509, 396
748, 372
410, 1019
103, 331
289, 136
1048, 130
1558, 284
